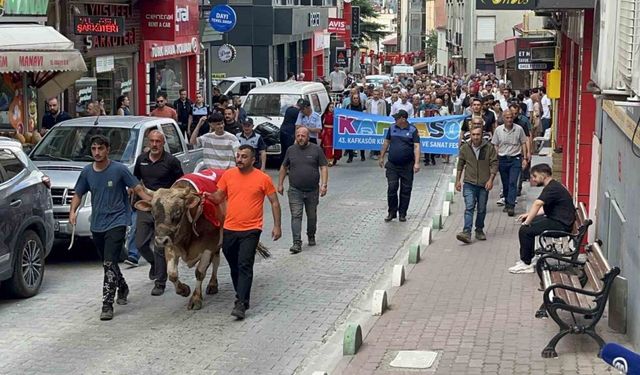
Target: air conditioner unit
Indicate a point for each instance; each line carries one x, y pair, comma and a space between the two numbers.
628, 41
604, 61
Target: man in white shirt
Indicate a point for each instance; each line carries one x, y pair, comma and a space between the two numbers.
527, 100
545, 119
337, 78
376, 106
218, 146
504, 100
402, 104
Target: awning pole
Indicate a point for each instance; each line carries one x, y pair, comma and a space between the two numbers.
25, 105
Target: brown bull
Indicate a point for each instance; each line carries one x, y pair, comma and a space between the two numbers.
185, 233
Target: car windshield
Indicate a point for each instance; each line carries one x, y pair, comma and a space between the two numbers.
224, 85
269, 104
72, 144
377, 81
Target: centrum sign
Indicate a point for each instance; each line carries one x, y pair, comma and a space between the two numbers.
506, 4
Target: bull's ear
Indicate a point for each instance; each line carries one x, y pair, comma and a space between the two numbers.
193, 200
143, 205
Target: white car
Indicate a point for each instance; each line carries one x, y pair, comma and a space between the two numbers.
240, 86
377, 80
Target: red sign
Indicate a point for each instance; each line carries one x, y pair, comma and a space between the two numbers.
337, 26
161, 50
98, 25
166, 20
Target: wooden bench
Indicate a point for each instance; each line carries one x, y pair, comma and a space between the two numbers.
575, 300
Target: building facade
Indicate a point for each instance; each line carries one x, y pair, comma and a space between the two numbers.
273, 38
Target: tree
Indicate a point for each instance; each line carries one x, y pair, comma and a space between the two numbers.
369, 30
431, 50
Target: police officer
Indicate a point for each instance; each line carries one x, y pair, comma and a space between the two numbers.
403, 144
249, 137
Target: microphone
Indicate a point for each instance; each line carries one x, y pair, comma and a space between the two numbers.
621, 358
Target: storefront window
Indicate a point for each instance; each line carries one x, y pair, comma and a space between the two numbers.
107, 86
12, 109
170, 77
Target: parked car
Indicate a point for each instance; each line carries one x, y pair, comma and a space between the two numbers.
65, 150
26, 221
266, 105
240, 86
377, 80
401, 69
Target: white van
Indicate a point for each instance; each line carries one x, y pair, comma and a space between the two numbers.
267, 104
240, 86
401, 69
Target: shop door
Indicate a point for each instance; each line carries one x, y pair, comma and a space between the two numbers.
292, 62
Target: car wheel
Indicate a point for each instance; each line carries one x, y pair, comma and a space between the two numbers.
28, 271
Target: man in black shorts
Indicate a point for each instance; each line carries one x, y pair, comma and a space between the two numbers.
553, 210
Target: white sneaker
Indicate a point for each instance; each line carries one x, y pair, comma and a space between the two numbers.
528, 268
519, 264
500, 202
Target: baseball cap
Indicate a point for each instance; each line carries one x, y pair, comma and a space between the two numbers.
305, 103
248, 121
401, 113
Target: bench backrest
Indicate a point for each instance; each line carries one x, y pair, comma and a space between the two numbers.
598, 270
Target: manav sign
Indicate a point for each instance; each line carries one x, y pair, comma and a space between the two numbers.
506, 4
222, 18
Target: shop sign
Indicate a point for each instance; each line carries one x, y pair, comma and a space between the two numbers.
218, 75
535, 53
226, 53
321, 40
104, 64
341, 56
158, 50
98, 25
125, 86
355, 23
101, 41
222, 18
314, 19
337, 26
85, 95
23, 7
165, 20
506, 4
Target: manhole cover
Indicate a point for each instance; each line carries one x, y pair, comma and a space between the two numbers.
414, 359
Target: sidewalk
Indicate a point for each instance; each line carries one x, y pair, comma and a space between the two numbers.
461, 302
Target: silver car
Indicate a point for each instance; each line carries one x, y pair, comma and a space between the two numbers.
26, 221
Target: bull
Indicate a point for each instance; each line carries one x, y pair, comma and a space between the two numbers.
190, 228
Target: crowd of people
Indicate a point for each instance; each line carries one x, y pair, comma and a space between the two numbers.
496, 137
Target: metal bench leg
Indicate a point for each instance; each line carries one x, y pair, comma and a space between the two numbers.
550, 350
542, 312
592, 333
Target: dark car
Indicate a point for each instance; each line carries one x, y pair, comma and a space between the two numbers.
26, 221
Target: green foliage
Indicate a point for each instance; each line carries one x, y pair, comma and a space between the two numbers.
369, 30
431, 49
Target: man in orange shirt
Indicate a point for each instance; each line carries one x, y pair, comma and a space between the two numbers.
163, 110
244, 188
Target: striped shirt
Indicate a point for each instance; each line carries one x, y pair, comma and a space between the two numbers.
218, 151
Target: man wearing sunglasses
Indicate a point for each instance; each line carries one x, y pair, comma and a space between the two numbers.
163, 110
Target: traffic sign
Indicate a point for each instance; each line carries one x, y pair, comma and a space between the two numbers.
222, 18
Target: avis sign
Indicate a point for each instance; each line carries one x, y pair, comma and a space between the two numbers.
506, 4
337, 26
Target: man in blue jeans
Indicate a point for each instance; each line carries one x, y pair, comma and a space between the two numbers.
511, 143
478, 161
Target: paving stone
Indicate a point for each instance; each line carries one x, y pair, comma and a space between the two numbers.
296, 300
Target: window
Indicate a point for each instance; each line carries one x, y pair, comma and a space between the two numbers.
315, 103
173, 138
10, 165
272, 105
245, 87
73, 144
486, 28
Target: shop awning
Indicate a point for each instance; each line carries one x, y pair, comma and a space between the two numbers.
421, 65
505, 50
390, 42
41, 50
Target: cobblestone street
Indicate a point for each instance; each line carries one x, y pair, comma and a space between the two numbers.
296, 300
